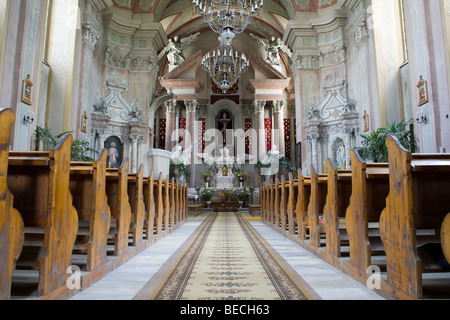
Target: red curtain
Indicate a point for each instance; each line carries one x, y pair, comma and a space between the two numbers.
268, 129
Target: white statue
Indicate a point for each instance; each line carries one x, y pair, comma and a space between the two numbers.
272, 48
272, 159
209, 159
182, 157
175, 49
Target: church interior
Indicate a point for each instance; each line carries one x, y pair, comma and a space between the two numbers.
139, 137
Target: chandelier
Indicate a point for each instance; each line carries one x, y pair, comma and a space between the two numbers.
227, 18
228, 15
225, 65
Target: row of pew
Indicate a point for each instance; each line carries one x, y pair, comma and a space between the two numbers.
391, 218
57, 216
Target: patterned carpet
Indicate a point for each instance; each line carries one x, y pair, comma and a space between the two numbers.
227, 260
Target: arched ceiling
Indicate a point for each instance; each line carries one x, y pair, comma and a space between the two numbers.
178, 17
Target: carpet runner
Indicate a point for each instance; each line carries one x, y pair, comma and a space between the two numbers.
228, 260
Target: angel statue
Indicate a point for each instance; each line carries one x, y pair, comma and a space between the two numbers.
272, 48
175, 49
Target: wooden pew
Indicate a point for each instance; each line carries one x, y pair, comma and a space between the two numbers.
159, 207
315, 209
150, 208
370, 187
304, 196
445, 237
39, 182
419, 198
264, 202
337, 202
167, 208
284, 195
136, 196
11, 222
88, 188
291, 205
118, 201
172, 187
184, 206
275, 223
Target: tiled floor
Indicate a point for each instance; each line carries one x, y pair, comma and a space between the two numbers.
126, 281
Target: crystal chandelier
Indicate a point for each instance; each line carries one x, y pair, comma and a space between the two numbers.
225, 65
227, 18
228, 15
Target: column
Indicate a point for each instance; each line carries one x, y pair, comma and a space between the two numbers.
170, 124
278, 117
260, 139
134, 148
191, 109
314, 154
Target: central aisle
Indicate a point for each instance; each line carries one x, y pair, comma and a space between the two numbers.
228, 261
142, 275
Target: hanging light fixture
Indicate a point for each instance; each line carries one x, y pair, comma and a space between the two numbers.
228, 15
225, 65
227, 18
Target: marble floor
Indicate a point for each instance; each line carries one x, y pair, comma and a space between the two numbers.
126, 281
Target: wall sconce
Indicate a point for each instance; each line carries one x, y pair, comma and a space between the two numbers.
28, 119
420, 118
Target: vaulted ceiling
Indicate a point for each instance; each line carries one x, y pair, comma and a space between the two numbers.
178, 17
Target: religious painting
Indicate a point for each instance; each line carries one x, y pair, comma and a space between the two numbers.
115, 152
423, 91
27, 86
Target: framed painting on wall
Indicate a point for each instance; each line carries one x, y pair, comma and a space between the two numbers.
115, 152
27, 86
423, 91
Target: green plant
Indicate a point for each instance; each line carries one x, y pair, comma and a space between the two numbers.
80, 148
283, 162
374, 143
80, 151
242, 194
207, 194
179, 169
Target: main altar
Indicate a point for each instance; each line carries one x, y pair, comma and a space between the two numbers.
224, 186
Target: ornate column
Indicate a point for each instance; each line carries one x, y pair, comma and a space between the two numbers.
170, 123
279, 125
314, 151
191, 109
137, 133
260, 138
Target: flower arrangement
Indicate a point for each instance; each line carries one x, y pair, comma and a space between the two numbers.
224, 196
242, 193
207, 176
207, 193
241, 176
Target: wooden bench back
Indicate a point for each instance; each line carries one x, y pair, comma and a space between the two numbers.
370, 187
88, 187
304, 196
338, 200
136, 196
40, 184
11, 222
118, 200
418, 198
149, 201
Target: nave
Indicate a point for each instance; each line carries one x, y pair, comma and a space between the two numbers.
135, 279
